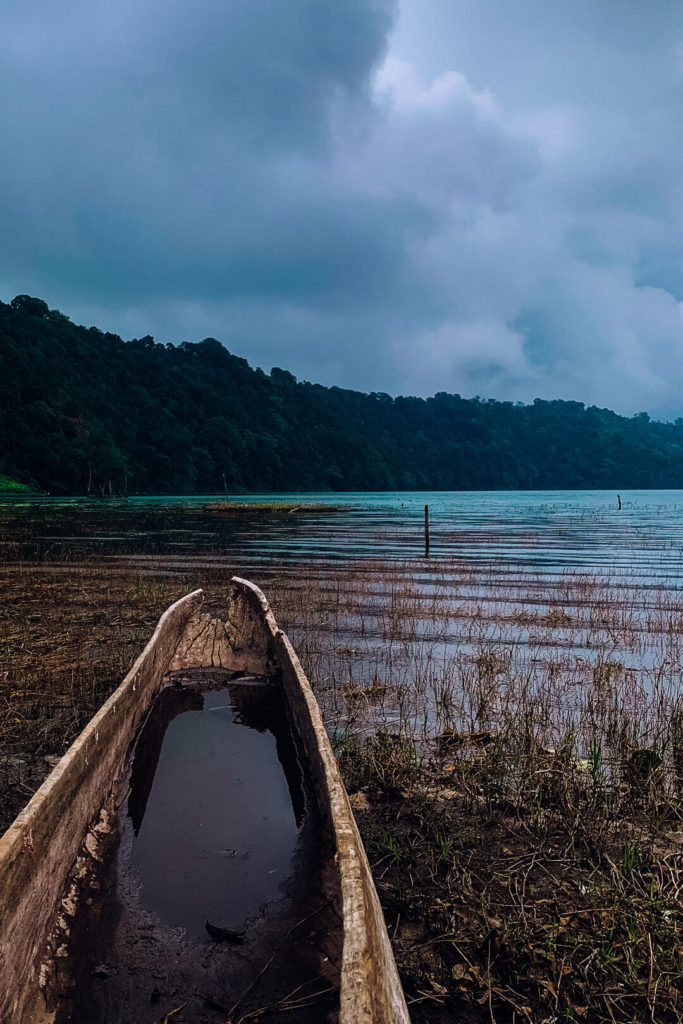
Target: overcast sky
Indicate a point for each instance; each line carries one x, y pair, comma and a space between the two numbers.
476, 196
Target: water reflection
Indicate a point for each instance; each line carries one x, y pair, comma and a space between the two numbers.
216, 804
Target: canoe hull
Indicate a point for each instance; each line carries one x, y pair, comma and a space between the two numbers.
68, 817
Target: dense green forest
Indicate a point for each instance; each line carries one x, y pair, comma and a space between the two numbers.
82, 411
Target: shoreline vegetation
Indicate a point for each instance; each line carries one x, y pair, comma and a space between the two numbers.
512, 747
84, 412
234, 508
8, 487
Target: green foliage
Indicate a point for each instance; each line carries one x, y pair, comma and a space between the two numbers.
10, 486
82, 411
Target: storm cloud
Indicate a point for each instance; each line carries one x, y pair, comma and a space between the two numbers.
447, 195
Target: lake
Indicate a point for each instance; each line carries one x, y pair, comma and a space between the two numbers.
539, 530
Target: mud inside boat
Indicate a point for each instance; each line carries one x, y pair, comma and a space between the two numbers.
216, 868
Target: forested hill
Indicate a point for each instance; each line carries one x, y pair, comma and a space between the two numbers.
81, 410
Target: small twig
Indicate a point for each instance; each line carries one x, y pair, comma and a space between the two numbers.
649, 980
488, 981
286, 1004
433, 997
173, 1012
446, 937
265, 967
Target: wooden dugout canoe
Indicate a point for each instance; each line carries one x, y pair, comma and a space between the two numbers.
65, 817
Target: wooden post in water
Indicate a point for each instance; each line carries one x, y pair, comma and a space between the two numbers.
619, 500
426, 531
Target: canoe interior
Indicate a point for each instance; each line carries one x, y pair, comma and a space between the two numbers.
213, 764
60, 843
217, 804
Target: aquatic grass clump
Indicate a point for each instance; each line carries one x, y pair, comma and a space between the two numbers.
231, 508
385, 762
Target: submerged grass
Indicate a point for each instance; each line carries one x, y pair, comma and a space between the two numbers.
513, 748
230, 508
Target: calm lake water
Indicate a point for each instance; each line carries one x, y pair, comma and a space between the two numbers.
533, 530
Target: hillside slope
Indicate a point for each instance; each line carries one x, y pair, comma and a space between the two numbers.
82, 410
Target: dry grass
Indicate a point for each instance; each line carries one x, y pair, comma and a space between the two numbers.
68, 635
514, 748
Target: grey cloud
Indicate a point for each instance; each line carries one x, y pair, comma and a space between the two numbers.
184, 146
488, 201
268, 68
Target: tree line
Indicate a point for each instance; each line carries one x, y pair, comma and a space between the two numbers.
82, 411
